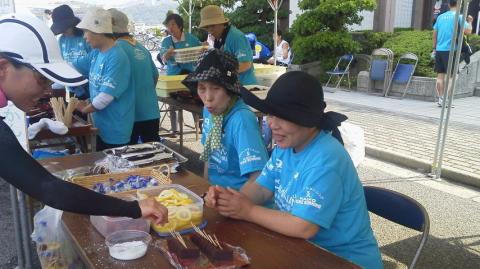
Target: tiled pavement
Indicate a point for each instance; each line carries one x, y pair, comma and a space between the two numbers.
405, 131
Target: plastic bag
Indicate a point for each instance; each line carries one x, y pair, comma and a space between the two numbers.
53, 248
354, 141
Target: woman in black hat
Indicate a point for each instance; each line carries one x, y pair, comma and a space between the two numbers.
72, 44
234, 152
310, 176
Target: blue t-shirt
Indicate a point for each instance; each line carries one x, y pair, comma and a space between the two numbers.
74, 47
174, 68
444, 27
237, 44
242, 151
320, 185
264, 50
110, 72
145, 74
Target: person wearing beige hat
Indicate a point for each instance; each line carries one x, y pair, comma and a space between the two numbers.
230, 39
145, 76
111, 83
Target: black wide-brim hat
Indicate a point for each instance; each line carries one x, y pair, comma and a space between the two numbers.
215, 66
296, 97
63, 18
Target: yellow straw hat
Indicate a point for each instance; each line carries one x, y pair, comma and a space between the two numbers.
212, 15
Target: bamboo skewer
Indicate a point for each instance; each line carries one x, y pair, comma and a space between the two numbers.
63, 113
213, 240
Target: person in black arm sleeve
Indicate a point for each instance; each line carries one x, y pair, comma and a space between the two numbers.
30, 62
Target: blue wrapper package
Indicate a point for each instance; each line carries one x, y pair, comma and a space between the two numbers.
133, 182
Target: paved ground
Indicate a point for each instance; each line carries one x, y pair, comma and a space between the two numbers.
406, 130
454, 241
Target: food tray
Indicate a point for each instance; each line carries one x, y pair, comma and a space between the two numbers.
189, 55
179, 220
267, 69
171, 82
154, 172
136, 157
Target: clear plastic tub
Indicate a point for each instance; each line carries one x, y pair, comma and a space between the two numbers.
184, 207
128, 244
107, 225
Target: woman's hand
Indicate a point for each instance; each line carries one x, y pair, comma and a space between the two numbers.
81, 105
234, 204
154, 211
169, 54
212, 196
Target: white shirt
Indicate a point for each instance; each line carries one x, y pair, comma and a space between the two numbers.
279, 53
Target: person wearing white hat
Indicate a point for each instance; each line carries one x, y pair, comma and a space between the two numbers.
230, 39
30, 61
110, 81
145, 76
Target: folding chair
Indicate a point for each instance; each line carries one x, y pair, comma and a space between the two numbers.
403, 72
380, 68
341, 69
400, 209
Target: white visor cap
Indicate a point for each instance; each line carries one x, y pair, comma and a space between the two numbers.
27, 39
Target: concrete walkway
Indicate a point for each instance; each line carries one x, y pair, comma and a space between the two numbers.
405, 131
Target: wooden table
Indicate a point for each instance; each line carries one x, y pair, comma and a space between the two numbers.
84, 134
194, 108
266, 249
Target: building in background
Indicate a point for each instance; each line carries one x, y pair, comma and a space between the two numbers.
390, 14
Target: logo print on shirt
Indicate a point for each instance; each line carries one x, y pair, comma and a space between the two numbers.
279, 164
295, 176
249, 155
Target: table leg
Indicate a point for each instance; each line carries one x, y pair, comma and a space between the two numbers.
173, 119
27, 245
16, 225
93, 142
180, 121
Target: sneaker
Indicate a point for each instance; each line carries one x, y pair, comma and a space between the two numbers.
440, 101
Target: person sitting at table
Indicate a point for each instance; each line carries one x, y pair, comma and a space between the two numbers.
282, 51
71, 41
230, 39
145, 76
30, 62
310, 176
233, 152
177, 39
111, 83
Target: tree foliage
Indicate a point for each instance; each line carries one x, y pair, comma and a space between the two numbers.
321, 31
248, 15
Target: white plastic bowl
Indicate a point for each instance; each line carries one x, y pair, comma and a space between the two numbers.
128, 244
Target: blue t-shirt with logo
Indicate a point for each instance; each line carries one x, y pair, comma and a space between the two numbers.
110, 72
444, 27
320, 185
242, 151
145, 74
237, 44
174, 68
72, 48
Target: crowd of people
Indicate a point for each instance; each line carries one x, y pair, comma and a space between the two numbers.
308, 188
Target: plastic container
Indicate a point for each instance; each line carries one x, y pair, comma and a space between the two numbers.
180, 217
108, 225
128, 244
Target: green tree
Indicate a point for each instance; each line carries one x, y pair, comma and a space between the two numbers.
247, 15
321, 31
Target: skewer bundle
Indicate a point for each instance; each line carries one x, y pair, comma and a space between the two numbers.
213, 240
63, 113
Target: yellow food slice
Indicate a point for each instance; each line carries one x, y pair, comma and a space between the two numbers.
171, 225
183, 214
165, 194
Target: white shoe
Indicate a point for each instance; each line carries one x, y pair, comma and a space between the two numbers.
440, 102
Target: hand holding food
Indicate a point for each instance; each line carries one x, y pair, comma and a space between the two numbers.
153, 210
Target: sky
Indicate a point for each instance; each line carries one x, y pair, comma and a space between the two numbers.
54, 3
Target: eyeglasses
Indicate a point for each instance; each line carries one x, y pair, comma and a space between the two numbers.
41, 79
